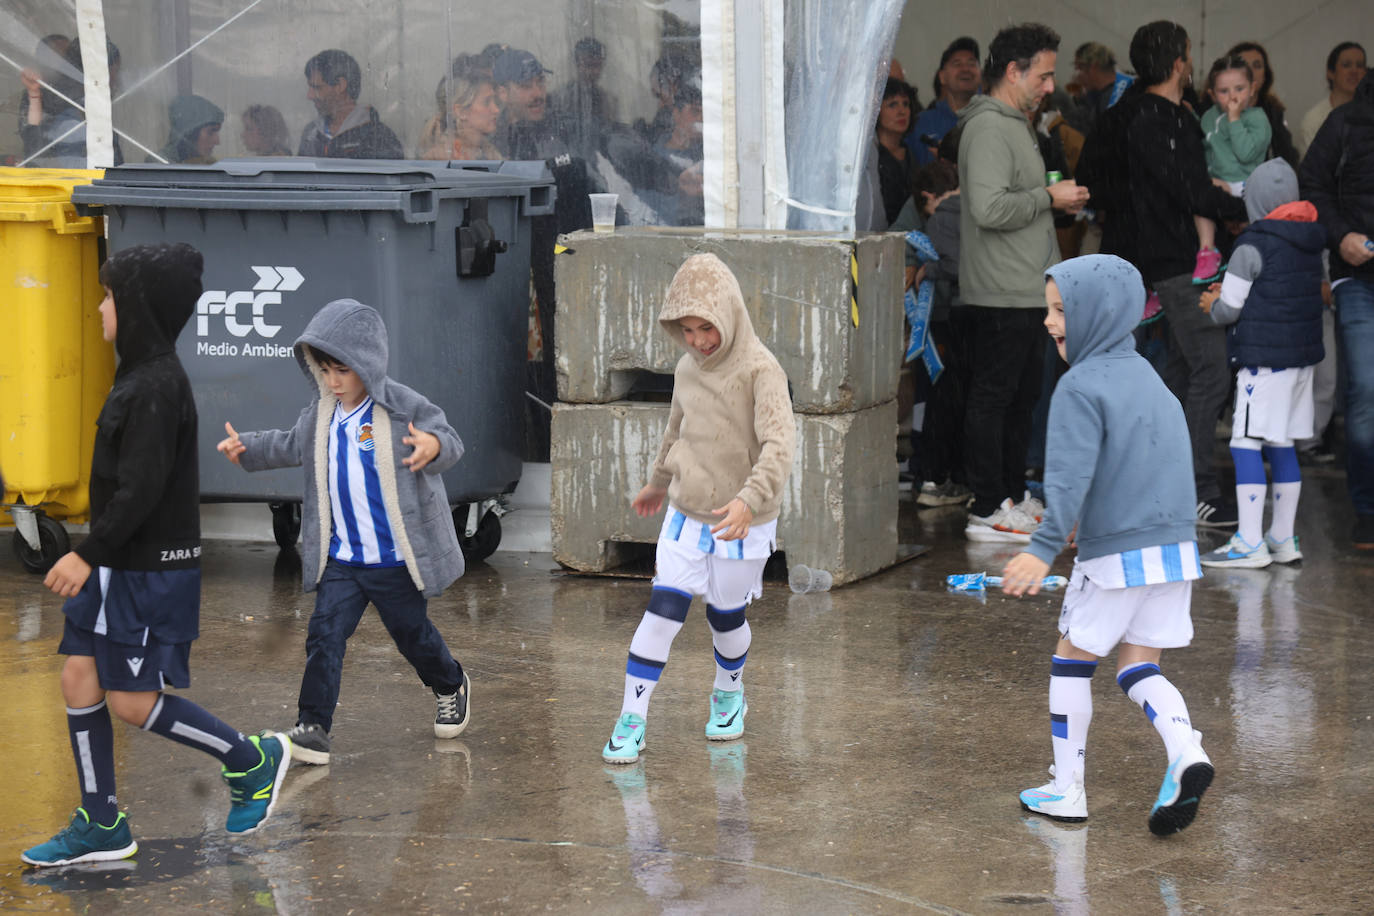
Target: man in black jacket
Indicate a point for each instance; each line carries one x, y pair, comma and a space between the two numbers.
344, 128
1169, 185
1338, 177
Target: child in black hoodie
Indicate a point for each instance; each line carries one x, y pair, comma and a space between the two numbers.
133, 586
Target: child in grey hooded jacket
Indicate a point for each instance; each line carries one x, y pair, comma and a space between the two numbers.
1118, 470
376, 524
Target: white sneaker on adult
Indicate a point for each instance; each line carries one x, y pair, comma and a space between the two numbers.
1032, 507
1007, 524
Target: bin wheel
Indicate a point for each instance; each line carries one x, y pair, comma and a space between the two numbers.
53, 543
286, 524
484, 540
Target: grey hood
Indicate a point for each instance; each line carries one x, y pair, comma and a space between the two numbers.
352, 333
1104, 299
1271, 185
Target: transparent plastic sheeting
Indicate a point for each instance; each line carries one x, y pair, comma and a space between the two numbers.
619, 108
837, 57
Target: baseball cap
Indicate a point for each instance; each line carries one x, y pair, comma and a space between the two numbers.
963, 43
517, 66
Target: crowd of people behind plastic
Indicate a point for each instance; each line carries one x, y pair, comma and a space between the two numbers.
496, 104
1160, 186
1150, 163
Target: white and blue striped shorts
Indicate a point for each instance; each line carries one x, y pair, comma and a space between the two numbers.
728, 573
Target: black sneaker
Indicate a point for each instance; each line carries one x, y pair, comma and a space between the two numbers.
454, 710
309, 743
1363, 535
1216, 515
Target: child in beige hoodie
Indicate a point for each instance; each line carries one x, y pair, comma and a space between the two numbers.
724, 459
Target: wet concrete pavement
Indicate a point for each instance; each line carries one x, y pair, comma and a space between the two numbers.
891, 725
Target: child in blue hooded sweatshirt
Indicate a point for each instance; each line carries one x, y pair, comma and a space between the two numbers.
1119, 470
1272, 301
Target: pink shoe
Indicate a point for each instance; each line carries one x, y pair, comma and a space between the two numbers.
1152, 308
1208, 267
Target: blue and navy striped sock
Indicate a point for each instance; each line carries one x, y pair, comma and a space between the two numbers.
730, 637
649, 648
1163, 704
1071, 712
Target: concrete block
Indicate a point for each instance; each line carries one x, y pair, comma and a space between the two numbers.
796, 285
839, 511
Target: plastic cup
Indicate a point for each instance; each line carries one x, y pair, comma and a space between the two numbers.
603, 212
803, 579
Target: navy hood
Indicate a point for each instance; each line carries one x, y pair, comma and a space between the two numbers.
155, 289
1104, 298
352, 333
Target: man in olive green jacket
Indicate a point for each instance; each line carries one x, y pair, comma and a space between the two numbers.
1007, 242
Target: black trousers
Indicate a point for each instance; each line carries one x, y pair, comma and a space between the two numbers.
1006, 348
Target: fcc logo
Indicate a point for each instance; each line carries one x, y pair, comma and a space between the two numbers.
244, 311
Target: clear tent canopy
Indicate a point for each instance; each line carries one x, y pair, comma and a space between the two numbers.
696, 112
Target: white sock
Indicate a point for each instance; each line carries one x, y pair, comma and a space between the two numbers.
648, 654
1071, 712
1162, 702
1284, 510
731, 647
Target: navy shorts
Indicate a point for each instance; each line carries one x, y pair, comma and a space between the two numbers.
134, 660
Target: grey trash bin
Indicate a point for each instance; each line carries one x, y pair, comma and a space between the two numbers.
441, 250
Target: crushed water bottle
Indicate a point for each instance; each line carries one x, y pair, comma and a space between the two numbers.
977, 582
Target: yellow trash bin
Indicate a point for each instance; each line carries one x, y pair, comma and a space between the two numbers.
55, 367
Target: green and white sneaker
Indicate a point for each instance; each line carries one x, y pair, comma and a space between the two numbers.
84, 841
1285, 551
253, 794
627, 739
728, 709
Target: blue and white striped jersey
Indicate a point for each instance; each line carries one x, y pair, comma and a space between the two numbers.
362, 534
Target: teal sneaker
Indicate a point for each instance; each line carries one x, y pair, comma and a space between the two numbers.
83, 841
252, 794
1184, 782
728, 709
627, 740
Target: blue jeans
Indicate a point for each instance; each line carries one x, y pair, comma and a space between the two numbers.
1355, 328
343, 595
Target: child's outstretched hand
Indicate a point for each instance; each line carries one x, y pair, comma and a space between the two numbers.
231, 447
648, 501
738, 515
426, 448
68, 574
1023, 575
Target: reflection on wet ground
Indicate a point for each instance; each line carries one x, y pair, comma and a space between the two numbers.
891, 726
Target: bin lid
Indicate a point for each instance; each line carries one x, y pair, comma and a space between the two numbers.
44, 196
281, 183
